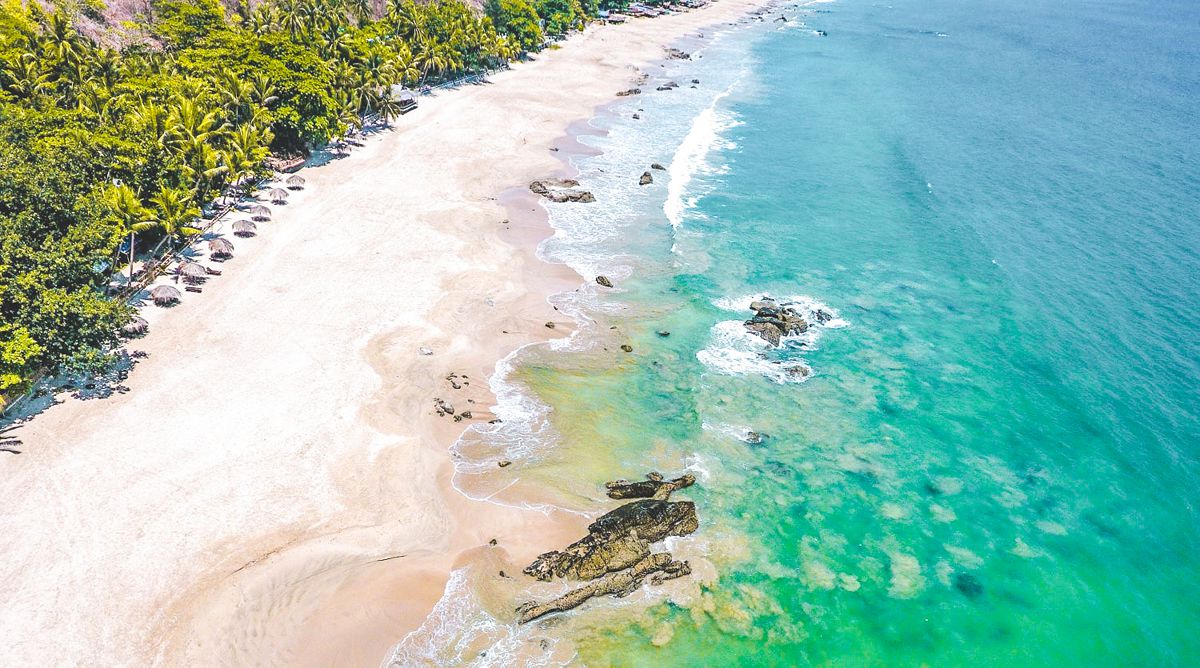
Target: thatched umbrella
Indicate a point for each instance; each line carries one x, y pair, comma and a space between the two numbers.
279, 195
192, 272
245, 228
136, 326
164, 295
220, 248
295, 182
260, 212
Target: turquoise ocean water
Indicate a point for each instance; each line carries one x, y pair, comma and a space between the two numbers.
994, 460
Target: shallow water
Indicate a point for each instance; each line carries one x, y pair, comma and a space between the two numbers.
993, 459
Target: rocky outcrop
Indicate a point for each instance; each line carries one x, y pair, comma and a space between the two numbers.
676, 54
617, 540
629, 91
772, 321
561, 190
659, 567
670, 85
658, 166
615, 554
604, 281
646, 179
653, 487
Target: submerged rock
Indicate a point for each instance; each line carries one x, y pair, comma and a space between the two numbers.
968, 585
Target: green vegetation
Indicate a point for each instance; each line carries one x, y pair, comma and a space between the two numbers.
102, 144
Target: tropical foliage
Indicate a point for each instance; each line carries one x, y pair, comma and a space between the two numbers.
129, 134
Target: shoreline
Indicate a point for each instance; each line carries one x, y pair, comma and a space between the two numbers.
357, 511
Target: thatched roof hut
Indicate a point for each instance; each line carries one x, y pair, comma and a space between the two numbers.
260, 212
278, 195
192, 272
295, 181
136, 326
245, 228
164, 295
220, 247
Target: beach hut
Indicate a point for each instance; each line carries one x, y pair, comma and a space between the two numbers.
408, 101
136, 326
192, 272
295, 182
164, 295
260, 212
220, 248
278, 195
245, 228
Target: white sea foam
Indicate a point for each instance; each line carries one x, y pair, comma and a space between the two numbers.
452, 632
734, 351
706, 133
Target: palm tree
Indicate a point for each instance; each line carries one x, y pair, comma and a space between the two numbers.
174, 213
126, 206
388, 108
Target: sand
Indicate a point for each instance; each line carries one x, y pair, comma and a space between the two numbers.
274, 488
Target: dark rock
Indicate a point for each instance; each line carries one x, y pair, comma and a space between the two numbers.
466, 415
603, 280
637, 117
651, 519
764, 330
646, 179
695, 81
822, 316
503, 463
626, 347
798, 371
772, 321
630, 91
658, 166
676, 54
549, 325
968, 585
654, 487
663, 333
754, 438
617, 540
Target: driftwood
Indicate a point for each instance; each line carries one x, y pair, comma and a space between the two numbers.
654, 487
621, 583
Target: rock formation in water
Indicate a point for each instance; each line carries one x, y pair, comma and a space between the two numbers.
616, 554
561, 190
661, 567
772, 321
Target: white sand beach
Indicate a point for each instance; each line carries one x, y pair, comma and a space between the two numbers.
273, 489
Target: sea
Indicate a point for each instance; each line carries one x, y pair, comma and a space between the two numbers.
986, 451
